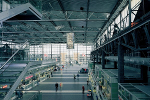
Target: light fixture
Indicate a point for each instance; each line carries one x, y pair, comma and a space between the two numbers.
81, 8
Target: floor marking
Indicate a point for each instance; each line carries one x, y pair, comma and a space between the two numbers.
63, 91
66, 94
68, 77
64, 82
71, 74
68, 74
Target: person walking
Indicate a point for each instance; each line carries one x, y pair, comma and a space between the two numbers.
56, 86
51, 74
78, 76
83, 89
61, 85
87, 81
74, 76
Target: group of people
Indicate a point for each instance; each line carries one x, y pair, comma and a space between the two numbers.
77, 76
83, 88
56, 86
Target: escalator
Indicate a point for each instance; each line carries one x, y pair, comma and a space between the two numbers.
11, 75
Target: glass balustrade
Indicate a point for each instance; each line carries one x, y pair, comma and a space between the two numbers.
135, 91
27, 95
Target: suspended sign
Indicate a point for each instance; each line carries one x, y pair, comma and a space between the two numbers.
70, 40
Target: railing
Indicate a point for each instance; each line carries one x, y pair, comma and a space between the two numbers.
34, 97
126, 93
30, 95
13, 55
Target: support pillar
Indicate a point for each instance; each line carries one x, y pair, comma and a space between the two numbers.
97, 58
144, 74
115, 65
130, 10
51, 51
120, 63
100, 61
103, 60
94, 62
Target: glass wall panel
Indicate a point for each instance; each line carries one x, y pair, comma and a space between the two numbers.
79, 55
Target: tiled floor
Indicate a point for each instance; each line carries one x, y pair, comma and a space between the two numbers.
71, 90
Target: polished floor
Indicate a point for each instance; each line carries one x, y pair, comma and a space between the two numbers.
71, 89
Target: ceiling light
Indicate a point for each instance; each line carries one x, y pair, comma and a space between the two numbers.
81, 8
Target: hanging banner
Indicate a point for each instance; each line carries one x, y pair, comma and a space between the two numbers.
70, 40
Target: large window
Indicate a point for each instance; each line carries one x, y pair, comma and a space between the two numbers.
79, 55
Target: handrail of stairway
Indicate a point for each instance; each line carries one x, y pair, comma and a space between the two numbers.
13, 55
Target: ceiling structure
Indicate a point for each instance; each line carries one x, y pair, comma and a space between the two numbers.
84, 18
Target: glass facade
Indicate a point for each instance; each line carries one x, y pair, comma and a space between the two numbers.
79, 55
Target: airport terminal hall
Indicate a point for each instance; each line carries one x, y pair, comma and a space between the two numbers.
74, 49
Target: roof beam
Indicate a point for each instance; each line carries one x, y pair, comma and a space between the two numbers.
41, 37
53, 23
51, 32
64, 13
80, 11
50, 20
87, 14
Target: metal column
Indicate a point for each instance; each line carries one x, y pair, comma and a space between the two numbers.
43, 58
120, 63
77, 54
51, 51
130, 10
86, 53
94, 62
144, 74
103, 60
97, 57
115, 65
